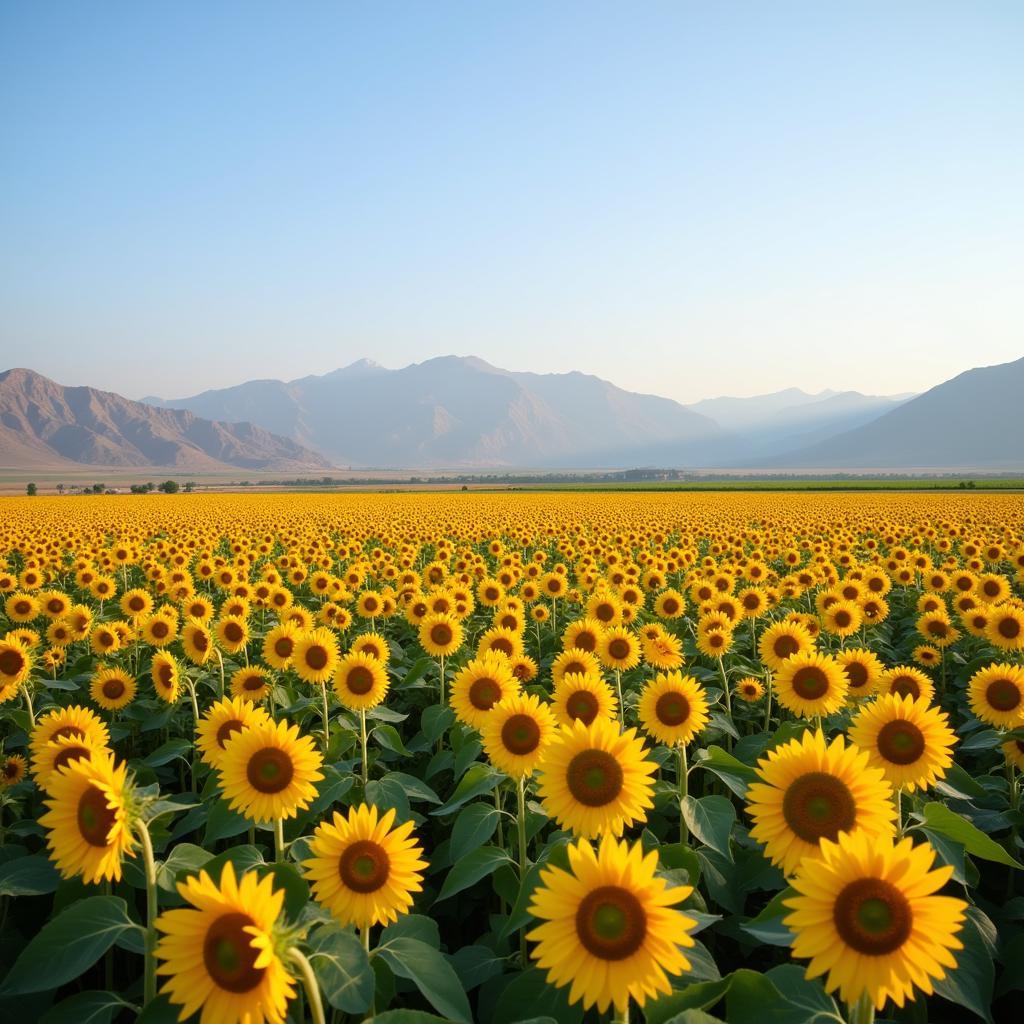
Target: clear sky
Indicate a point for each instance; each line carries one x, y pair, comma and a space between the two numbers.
688, 198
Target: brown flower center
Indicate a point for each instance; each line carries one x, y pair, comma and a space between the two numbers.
227, 730
11, 662
857, 675
316, 657
441, 634
900, 742
229, 956
594, 778
233, 633
520, 734
159, 629
586, 641
504, 645
785, 646
69, 754
818, 806
582, 705
484, 693
364, 866
253, 682
619, 648
1009, 628
95, 818
672, 709
810, 682
905, 686
872, 916
359, 680
200, 641
610, 923
113, 689
604, 612
1002, 695
270, 770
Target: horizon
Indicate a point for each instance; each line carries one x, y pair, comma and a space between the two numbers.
687, 202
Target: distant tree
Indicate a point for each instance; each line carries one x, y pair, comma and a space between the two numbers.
98, 488
169, 487
190, 486
60, 488
30, 490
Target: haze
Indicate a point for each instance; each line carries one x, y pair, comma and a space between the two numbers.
689, 199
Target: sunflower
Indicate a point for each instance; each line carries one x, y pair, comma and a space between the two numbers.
222, 951
1006, 628
15, 664
996, 695
669, 604
605, 607
316, 655
926, 655
619, 649
576, 661
360, 681
166, 675
104, 640
268, 771
582, 696
22, 608
935, 627
232, 633
12, 770
58, 633
781, 641
88, 821
906, 681
907, 739
595, 779
363, 870
372, 644
664, 651
866, 914
841, 618
197, 641
583, 634
113, 688
159, 630
251, 684
516, 733
28, 638
811, 685
524, 668
749, 689
714, 643
673, 708
136, 603
279, 645
77, 721
500, 641
610, 929
808, 791
480, 686
220, 722
440, 634
58, 754
1013, 751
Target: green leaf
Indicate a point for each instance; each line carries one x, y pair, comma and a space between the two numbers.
767, 927
710, 819
28, 876
473, 827
167, 752
69, 945
87, 1008
781, 996
342, 969
430, 972
414, 926
296, 889
386, 794
939, 818
732, 771
242, 859
415, 789
185, 857
387, 736
970, 984
479, 779
698, 996
435, 721
159, 1011
223, 823
471, 868
408, 1017
530, 995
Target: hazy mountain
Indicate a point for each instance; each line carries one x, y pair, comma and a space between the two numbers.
460, 411
971, 421
740, 414
45, 424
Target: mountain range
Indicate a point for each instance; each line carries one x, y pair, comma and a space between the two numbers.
462, 413
44, 425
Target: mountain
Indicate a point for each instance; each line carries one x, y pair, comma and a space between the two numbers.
462, 412
43, 424
740, 414
972, 421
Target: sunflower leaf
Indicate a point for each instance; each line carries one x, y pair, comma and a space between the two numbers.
939, 818
710, 819
432, 974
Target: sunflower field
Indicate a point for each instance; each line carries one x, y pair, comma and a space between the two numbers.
548, 757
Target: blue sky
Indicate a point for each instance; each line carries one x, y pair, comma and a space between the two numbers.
687, 198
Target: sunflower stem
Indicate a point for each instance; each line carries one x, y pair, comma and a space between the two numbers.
728, 700
220, 664
149, 989
316, 1006
768, 700
28, 704
362, 741
521, 791
279, 840
862, 1011
622, 709
327, 721
684, 832
621, 1016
